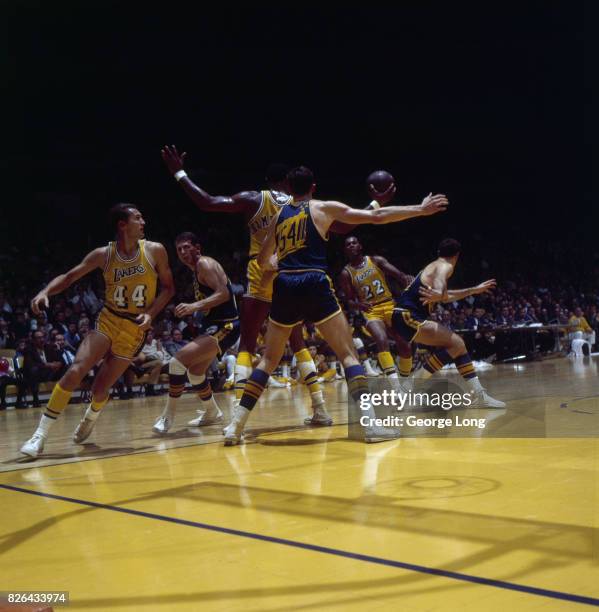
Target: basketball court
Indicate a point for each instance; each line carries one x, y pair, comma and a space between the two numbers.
306, 519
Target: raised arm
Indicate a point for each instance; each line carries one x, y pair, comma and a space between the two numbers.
209, 272
94, 259
390, 271
167, 285
246, 202
379, 199
329, 212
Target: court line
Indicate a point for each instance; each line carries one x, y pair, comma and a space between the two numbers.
511, 586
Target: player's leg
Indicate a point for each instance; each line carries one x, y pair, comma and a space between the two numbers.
452, 348
92, 349
253, 313
306, 367
190, 362
404, 351
276, 339
337, 333
377, 330
110, 371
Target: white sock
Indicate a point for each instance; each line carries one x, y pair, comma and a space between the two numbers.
285, 371
44, 426
92, 415
230, 361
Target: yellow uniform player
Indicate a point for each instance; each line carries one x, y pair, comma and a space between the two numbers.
131, 267
260, 281
364, 283
130, 290
258, 208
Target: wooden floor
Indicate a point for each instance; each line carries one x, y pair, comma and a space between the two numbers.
305, 519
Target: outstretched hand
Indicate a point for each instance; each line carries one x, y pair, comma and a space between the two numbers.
144, 321
485, 287
433, 204
173, 160
184, 310
40, 302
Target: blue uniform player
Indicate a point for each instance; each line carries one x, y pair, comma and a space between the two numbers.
411, 320
302, 290
218, 333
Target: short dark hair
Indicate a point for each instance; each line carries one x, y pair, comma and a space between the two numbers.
276, 172
120, 212
300, 180
188, 237
449, 247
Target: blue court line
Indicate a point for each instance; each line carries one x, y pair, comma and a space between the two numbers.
322, 549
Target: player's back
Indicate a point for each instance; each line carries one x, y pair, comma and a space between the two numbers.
410, 298
130, 283
299, 244
272, 201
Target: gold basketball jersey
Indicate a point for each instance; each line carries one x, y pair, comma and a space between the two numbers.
272, 202
370, 282
130, 283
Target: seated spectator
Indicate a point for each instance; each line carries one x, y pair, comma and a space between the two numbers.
152, 358
41, 364
9, 375
5, 307
20, 325
504, 319
7, 338
72, 338
60, 322
523, 318
175, 343
578, 323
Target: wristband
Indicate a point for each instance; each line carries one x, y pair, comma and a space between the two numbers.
374, 205
179, 175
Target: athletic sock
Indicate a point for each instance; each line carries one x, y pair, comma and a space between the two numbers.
254, 387
243, 369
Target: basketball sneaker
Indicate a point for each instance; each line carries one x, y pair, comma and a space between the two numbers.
234, 430
480, 397
34, 446
320, 418
83, 430
162, 424
210, 416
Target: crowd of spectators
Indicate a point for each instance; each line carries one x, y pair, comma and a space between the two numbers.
544, 289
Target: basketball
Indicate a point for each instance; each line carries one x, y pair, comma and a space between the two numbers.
381, 180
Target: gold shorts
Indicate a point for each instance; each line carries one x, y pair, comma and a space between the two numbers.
259, 282
381, 312
126, 338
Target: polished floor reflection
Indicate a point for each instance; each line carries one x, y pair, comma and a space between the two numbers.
305, 519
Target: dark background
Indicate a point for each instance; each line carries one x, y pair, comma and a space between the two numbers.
488, 103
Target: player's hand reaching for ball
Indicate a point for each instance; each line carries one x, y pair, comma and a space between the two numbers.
40, 302
485, 287
184, 310
433, 204
144, 321
173, 160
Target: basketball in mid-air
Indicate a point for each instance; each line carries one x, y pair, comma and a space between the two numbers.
381, 180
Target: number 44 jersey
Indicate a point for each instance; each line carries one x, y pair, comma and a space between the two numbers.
130, 283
